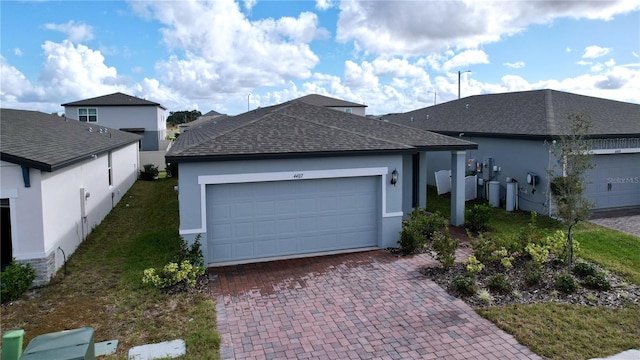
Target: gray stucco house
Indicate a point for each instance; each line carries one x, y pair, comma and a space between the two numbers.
296, 179
515, 132
126, 113
59, 178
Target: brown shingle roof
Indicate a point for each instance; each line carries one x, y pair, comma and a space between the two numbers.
49, 142
537, 113
297, 128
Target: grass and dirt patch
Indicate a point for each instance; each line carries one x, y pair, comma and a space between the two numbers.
570, 319
103, 285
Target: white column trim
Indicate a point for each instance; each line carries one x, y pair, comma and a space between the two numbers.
614, 151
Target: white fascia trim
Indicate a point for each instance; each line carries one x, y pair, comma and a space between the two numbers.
191, 231
614, 151
290, 175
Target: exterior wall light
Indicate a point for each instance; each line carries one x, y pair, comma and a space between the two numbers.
394, 177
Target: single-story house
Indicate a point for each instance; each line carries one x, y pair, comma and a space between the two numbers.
335, 104
205, 118
515, 132
295, 180
131, 114
58, 179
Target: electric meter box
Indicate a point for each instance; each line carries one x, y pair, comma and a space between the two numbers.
77, 344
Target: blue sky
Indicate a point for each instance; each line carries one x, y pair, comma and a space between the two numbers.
390, 55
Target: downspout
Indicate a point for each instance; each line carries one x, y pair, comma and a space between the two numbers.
25, 176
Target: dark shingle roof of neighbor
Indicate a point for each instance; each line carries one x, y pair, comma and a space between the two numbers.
116, 99
326, 101
212, 113
295, 129
49, 142
537, 113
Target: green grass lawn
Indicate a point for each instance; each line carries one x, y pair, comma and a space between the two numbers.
103, 287
560, 331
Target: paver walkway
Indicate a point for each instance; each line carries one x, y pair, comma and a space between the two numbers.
367, 305
626, 220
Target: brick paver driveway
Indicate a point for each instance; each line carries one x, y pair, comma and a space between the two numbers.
368, 305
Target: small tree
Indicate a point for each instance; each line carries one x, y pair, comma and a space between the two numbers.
567, 176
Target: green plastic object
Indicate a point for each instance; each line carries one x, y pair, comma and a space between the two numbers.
12, 344
77, 344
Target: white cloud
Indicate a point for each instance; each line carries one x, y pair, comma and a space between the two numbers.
324, 4
568, 50
584, 63
465, 58
595, 51
419, 27
514, 65
217, 49
17, 52
76, 32
249, 4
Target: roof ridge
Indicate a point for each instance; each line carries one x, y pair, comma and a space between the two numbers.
345, 130
549, 112
207, 138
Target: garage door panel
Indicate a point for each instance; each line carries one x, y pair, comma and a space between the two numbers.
615, 181
247, 221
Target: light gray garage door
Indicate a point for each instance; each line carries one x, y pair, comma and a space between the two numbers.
271, 219
615, 182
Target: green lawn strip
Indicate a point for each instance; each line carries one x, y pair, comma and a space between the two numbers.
614, 250
103, 286
559, 331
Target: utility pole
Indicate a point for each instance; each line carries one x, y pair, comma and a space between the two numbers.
460, 72
249, 97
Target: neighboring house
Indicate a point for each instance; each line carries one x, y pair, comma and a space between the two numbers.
127, 113
335, 104
59, 179
295, 180
515, 132
211, 115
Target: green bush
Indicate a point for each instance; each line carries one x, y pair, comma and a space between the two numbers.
566, 283
532, 274
445, 248
473, 266
15, 280
464, 285
484, 248
188, 266
498, 283
417, 232
477, 217
583, 269
596, 282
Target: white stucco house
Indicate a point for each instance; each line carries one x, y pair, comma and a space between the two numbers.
515, 133
127, 113
59, 178
296, 180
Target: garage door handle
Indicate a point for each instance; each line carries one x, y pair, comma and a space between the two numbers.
608, 186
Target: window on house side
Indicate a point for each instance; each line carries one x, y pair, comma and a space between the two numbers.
348, 110
88, 114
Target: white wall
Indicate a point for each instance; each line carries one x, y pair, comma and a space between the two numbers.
25, 208
48, 214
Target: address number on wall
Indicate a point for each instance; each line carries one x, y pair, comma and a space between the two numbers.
298, 176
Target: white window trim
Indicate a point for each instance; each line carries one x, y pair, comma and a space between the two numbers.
87, 115
300, 175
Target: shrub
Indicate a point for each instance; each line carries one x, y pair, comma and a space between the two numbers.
527, 234
596, 282
505, 259
583, 269
445, 248
483, 248
149, 172
473, 265
15, 280
477, 217
188, 266
539, 253
532, 274
417, 232
485, 297
565, 283
464, 285
499, 284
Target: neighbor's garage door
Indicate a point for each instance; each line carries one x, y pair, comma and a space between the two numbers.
615, 181
270, 219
